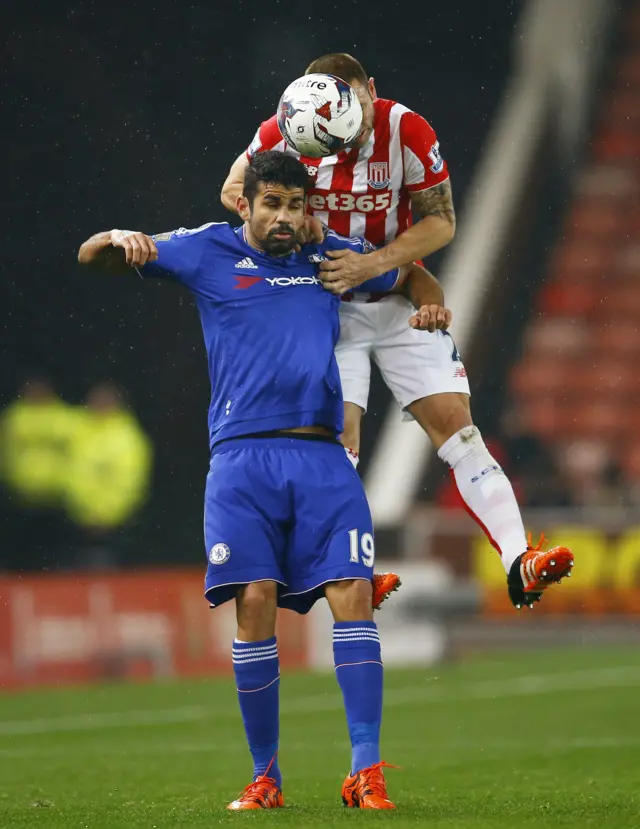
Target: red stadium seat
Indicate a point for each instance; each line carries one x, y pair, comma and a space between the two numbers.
632, 27
612, 180
581, 257
604, 376
598, 419
628, 71
612, 377
621, 301
596, 219
629, 462
548, 420
629, 422
633, 224
627, 259
622, 110
556, 338
618, 145
619, 339
573, 299
539, 378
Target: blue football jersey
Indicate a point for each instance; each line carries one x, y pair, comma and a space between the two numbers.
269, 326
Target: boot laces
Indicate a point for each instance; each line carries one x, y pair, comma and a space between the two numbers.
258, 788
538, 546
374, 779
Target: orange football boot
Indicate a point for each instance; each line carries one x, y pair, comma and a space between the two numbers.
367, 789
534, 571
384, 584
263, 793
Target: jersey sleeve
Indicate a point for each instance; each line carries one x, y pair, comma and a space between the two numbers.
379, 284
268, 137
423, 165
179, 256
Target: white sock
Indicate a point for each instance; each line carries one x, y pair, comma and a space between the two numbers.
353, 456
486, 491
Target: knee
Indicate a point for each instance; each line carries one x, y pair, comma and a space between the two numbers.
256, 606
350, 601
453, 417
442, 416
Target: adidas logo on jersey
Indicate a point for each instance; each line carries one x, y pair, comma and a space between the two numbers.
247, 262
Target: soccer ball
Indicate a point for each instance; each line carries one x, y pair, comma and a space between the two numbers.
319, 115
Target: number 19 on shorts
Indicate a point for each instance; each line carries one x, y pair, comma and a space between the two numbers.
362, 545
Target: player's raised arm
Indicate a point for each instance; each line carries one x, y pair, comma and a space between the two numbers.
232, 187
175, 255
267, 137
118, 250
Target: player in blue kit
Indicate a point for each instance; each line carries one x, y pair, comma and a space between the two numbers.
286, 516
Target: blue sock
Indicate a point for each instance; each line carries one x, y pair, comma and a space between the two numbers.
257, 671
356, 655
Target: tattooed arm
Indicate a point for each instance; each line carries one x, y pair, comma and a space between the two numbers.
434, 229
435, 201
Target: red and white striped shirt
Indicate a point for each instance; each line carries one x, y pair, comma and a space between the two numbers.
366, 191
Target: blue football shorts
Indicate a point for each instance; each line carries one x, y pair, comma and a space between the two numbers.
289, 510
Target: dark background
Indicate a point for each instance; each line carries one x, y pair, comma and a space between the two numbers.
130, 116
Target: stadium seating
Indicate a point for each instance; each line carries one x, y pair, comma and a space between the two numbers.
579, 373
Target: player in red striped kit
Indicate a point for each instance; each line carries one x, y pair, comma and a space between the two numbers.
393, 171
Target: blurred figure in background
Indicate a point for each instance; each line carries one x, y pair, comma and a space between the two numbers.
542, 481
108, 476
36, 431
630, 463
593, 475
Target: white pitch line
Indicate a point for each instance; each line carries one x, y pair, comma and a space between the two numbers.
489, 689
115, 719
532, 685
443, 748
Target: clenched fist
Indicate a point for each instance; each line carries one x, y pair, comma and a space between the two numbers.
431, 318
139, 248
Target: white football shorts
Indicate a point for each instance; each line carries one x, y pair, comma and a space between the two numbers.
413, 364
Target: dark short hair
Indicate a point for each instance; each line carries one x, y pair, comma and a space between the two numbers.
273, 167
340, 64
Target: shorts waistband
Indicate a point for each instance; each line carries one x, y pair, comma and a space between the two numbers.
278, 440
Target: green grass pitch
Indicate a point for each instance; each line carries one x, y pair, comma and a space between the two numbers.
544, 739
